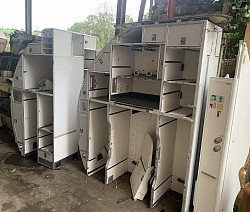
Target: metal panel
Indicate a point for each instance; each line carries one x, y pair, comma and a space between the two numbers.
17, 117
83, 137
62, 37
65, 145
140, 124
98, 137
30, 118
185, 35
117, 165
154, 34
68, 75
217, 114
18, 77
142, 171
89, 42
164, 158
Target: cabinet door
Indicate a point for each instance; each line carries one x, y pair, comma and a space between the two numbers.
154, 34
17, 117
18, 78
83, 137
98, 138
30, 118
184, 35
89, 42
142, 171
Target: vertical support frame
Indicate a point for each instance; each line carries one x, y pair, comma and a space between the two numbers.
28, 16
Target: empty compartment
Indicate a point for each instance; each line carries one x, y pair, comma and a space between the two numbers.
98, 137
135, 73
45, 113
137, 61
127, 132
181, 66
180, 102
172, 157
132, 35
45, 121
36, 68
179, 85
98, 86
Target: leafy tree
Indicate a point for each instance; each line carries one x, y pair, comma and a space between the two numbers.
129, 19
100, 25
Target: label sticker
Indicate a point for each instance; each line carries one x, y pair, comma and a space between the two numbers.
220, 107
213, 105
221, 99
213, 98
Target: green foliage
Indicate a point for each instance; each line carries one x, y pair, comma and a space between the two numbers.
240, 12
146, 17
232, 45
100, 25
7, 32
129, 19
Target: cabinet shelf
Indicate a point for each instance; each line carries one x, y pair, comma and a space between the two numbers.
141, 44
48, 149
37, 91
183, 113
48, 129
182, 81
101, 99
140, 100
139, 77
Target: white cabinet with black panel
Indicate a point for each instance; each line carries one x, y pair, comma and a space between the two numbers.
141, 103
45, 95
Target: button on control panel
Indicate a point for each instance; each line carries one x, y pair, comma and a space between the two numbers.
216, 148
218, 140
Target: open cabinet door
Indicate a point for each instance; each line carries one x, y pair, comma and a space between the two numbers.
142, 171
83, 130
164, 159
93, 135
98, 138
17, 120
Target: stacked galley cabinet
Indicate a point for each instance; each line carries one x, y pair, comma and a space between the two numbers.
145, 90
45, 121
225, 142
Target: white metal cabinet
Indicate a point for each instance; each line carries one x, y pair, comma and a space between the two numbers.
225, 146
17, 119
155, 85
24, 120
49, 117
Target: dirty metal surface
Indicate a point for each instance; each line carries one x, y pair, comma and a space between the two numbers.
26, 186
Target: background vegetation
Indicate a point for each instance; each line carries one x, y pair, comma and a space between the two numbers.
101, 24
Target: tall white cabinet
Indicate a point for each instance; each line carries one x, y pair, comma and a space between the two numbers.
146, 89
45, 121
